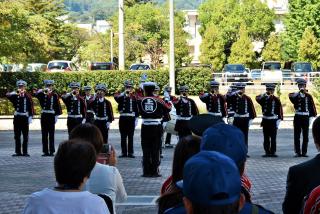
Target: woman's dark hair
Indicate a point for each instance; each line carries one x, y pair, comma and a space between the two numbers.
90, 133
315, 130
186, 148
73, 162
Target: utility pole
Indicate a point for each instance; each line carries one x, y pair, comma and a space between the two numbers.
121, 35
171, 49
111, 45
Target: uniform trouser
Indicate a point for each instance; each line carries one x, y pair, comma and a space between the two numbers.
269, 127
72, 123
102, 125
47, 128
126, 127
243, 124
182, 128
90, 117
151, 143
301, 122
168, 139
21, 125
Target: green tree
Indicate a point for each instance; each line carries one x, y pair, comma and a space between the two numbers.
309, 48
228, 15
242, 50
212, 48
272, 50
303, 14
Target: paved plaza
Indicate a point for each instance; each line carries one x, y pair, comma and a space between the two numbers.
20, 176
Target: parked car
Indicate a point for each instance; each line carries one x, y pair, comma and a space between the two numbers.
102, 66
235, 73
140, 66
301, 70
271, 72
61, 66
32, 67
256, 74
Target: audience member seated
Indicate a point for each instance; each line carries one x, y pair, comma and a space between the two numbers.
72, 165
312, 202
229, 140
303, 178
171, 195
104, 179
211, 184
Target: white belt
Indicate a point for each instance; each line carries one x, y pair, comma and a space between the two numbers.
215, 114
75, 116
183, 118
302, 113
151, 121
274, 117
48, 111
241, 115
101, 118
90, 111
21, 114
128, 114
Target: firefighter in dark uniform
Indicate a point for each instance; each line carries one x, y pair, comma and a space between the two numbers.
305, 111
152, 110
88, 98
51, 109
244, 111
185, 109
23, 105
76, 106
168, 98
228, 98
215, 102
128, 109
272, 115
103, 111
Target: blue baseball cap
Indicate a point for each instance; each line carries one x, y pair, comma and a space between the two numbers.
211, 178
226, 139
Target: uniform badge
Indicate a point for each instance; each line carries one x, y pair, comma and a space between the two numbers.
149, 105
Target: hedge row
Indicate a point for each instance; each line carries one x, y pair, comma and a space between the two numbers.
196, 78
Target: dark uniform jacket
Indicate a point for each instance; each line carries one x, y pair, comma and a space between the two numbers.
230, 110
301, 180
75, 105
214, 103
88, 100
271, 106
49, 102
127, 103
243, 105
22, 104
303, 104
102, 109
152, 107
185, 108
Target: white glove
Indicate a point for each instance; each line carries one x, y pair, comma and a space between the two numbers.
250, 122
108, 125
55, 119
30, 120
83, 121
225, 120
278, 123
164, 124
136, 122
311, 119
13, 93
39, 91
230, 120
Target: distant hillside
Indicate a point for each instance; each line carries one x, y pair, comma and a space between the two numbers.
90, 10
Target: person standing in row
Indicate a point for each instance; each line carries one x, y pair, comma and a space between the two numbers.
185, 109
128, 109
272, 115
215, 102
305, 111
51, 109
244, 110
228, 98
103, 111
88, 98
76, 106
23, 105
152, 110
168, 98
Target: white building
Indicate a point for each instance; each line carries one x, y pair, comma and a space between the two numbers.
281, 8
102, 26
